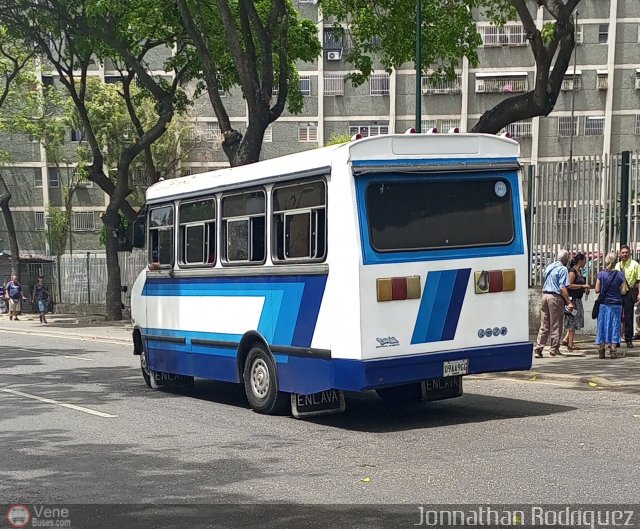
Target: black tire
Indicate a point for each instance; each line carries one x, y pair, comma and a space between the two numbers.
144, 365
404, 394
261, 384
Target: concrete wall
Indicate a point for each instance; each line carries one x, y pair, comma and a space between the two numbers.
535, 295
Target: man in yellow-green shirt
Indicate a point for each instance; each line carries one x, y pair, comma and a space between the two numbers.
631, 271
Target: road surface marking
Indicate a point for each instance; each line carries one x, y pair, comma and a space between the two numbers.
98, 339
58, 403
80, 358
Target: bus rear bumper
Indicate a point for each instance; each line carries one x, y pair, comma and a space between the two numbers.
361, 375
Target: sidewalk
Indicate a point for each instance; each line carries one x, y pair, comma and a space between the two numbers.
581, 367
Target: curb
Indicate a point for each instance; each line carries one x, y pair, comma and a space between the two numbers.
534, 376
54, 334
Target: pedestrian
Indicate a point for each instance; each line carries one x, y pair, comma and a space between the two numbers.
40, 296
554, 299
577, 289
610, 285
631, 270
15, 295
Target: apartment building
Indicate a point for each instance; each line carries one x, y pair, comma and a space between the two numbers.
597, 112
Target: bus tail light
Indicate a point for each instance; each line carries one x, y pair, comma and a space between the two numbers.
398, 288
454, 130
356, 136
410, 130
495, 281
432, 130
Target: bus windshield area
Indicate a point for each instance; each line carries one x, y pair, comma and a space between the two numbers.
439, 213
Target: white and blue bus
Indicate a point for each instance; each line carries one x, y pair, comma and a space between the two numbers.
395, 263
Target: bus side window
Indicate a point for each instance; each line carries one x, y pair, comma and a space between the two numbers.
161, 236
243, 227
299, 221
197, 233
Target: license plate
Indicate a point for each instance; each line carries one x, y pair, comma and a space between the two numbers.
325, 402
160, 379
442, 388
455, 368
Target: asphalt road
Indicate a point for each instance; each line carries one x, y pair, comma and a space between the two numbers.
504, 441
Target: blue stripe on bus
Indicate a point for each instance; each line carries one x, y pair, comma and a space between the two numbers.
370, 256
291, 303
440, 306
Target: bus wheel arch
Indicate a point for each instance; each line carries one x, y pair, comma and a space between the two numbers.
250, 340
259, 375
137, 341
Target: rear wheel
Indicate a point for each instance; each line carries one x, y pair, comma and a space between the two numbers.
261, 384
401, 394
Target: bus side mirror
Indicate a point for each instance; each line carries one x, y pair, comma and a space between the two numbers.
138, 234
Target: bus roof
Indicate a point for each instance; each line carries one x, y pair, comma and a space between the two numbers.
378, 148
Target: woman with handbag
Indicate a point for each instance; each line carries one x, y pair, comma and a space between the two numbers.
610, 285
577, 288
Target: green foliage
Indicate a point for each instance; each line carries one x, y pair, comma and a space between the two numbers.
337, 139
59, 223
548, 32
382, 34
122, 233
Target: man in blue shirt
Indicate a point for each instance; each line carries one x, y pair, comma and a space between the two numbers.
555, 297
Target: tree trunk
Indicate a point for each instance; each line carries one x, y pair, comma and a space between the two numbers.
5, 197
249, 148
113, 308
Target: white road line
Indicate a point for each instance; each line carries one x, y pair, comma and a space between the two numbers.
58, 403
80, 358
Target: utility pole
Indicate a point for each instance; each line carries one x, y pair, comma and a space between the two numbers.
573, 93
418, 66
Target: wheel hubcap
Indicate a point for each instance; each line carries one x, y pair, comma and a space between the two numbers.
259, 378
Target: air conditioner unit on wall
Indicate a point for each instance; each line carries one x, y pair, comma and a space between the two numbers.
334, 55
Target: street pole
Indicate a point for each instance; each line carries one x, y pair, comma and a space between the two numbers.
418, 66
573, 95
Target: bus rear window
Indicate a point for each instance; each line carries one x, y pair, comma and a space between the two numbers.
437, 214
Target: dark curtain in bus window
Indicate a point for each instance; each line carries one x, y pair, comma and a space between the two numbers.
454, 213
211, 243
297, 231
195, 244
238, 240
165, 246
258, 235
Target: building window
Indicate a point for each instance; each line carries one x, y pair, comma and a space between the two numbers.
501, 83
333, 38
493, 36
333, 84
47, 81
603, 33
437, 85
379, 84
80, 180
54, 177
161, 235
186, 171
212, 132
369, 129
637, 79
305, 85
594, 126
603, 80
307, 133
567, 126
77, 135
243, 227
83, 221
572, 82
637, 129
113, 79
579, 37
428, 124
268, 134
299, 221
447, 124
37, 178
519, 129
198, 232
39, 221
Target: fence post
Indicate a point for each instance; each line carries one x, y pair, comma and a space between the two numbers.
528, 215
624, 197
59, 281
88, 280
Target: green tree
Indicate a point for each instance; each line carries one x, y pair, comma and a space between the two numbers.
337, 139
385, 31
74, 36
254, 44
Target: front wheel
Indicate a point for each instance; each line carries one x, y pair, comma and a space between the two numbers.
261, 384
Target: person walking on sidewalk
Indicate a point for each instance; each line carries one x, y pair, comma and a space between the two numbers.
577, 288
15, 296
40, 296
554, 299
611, 285
631, 270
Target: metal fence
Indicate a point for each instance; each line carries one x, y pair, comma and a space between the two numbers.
82, 278
587, 205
